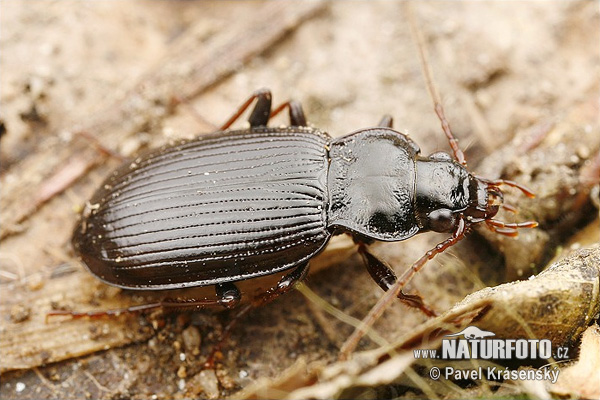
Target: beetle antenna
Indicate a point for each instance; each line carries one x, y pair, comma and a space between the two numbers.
435, 97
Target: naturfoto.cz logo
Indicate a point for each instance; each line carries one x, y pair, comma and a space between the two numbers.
478, 344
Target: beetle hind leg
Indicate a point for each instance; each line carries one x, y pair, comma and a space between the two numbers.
285, 284
260, 114
386, 121
297, 117
228, 294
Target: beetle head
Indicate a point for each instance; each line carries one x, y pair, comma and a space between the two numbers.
485, 201
446, 193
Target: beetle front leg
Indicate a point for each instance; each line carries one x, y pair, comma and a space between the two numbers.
385, 277
378, 309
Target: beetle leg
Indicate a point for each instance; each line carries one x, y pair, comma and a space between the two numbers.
228, 294
288, 281
103, 313
297, 117
285, 284
262, 110
386, 121
261, 113
210, 360
351, 343
385, 277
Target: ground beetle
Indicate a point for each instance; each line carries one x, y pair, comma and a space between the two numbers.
239, 204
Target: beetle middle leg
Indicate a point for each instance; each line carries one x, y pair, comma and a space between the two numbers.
297, 117
285, 284
385, 277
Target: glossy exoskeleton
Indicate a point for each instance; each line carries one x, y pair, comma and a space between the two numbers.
240, 204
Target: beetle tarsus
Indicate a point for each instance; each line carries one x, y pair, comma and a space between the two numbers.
103, 313
416, 301
210, 360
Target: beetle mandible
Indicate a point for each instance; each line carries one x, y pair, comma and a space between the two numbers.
240, 204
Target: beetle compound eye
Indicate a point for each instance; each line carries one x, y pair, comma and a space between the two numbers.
440, 156
441, 220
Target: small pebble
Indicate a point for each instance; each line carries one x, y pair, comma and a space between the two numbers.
191, 338
19, 387
35, 282
19, 313
206, 382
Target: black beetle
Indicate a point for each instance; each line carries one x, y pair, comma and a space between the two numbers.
240, 204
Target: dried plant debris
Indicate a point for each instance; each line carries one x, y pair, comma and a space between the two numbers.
556, 160
558, 304
582, 379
